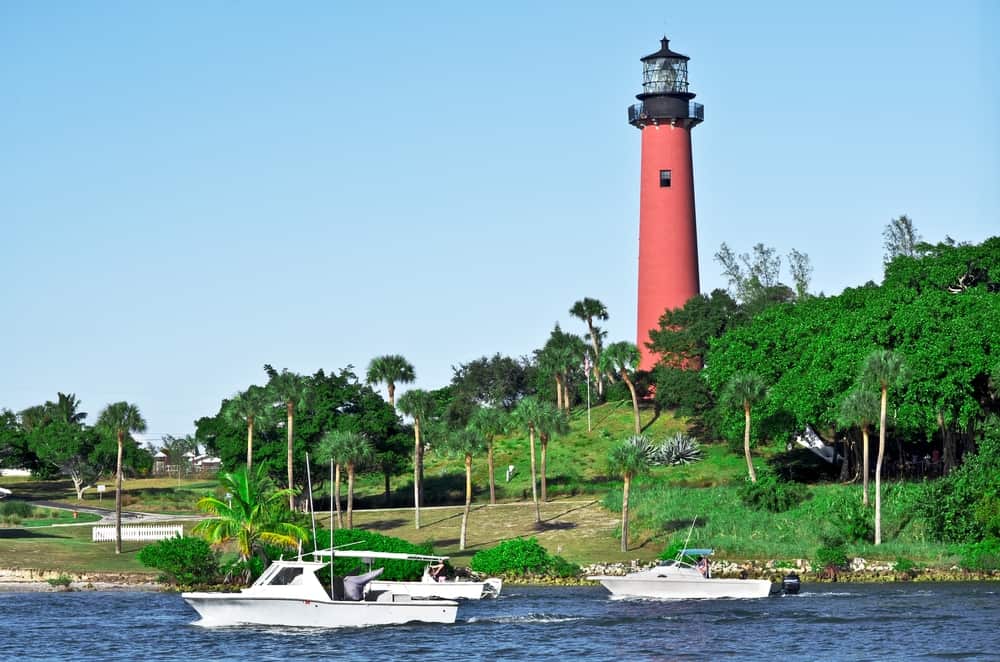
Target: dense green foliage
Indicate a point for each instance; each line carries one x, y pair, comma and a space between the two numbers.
374, 542
964, 507
521, 556
182, 560
772, 493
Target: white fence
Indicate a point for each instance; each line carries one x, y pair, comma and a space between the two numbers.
136, 532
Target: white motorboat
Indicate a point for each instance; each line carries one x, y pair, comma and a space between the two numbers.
289, 593
428, 586
680, 580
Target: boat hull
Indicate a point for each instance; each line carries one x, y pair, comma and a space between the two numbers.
233, 609
685, 589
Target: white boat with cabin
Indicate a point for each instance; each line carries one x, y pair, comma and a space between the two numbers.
677, 579
428, 586
289, 593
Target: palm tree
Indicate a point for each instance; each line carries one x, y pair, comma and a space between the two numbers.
120, 418
623, 357
291, 390
419, 405
489, 422
66, 409
588, 309
357, 452
883, 369
466, 443
860, 408
551, 422
248, 407
390, 369
745, 389
629, 459
527, 415
254, 515
333, 448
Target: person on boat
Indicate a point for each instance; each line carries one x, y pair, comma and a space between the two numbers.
703, 566
436, 571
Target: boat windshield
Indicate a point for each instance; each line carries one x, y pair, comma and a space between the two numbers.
288, 576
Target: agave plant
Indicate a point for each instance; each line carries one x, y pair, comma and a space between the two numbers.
678, 448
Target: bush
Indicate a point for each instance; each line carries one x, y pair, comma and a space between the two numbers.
983, 555
835, 556
183, 560
853, 522
904, 565
678, 448
62, 580
521, 556
771, 493
22, 509
374, 542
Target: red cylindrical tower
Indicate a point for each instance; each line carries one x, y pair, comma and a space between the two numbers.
668, 241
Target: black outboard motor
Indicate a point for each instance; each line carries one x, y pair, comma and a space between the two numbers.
790, 584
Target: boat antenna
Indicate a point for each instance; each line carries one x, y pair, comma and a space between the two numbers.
332, 530
680, 554
312, 511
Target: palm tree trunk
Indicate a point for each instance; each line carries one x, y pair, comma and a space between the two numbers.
118, 496
391, 387
545, 445
628, 481
635, 401
864, 481
350, 495
416, 472
336, 491
878, 468
597, 360
291, 421
534, 487
559, 392
468, 500
493, 486
746, 442
249, 443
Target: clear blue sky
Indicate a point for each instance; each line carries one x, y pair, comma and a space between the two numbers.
191, 190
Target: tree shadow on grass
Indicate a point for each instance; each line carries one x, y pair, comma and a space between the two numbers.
385, 525
21, 534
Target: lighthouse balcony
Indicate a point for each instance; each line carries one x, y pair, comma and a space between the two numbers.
657, 110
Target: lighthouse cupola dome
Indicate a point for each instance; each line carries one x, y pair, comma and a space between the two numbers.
665, 72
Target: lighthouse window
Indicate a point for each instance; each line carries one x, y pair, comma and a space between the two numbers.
664, 178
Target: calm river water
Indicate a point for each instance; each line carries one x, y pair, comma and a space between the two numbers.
824, 622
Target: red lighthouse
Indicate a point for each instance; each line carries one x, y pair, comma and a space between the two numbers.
668, 242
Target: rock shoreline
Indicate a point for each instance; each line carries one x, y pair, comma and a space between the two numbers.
33, 580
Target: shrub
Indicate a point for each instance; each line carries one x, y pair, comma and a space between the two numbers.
62, 580
854, 522
374, 542
521, 556
771, 493
904, 565
677, 449
835, 556
982, 555
183, 560
21, 509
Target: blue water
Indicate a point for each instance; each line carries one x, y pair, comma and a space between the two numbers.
824, 622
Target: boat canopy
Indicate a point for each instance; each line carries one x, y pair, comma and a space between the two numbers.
363, 554
697, 552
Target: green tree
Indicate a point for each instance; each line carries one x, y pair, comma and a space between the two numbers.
390, 369
291, 390
466, 444
418, 405
901, 238
527, 416
561, 354
247, 407
74, 450
622, 358
628, 459
357, 451
745, 390
254, 515
497, 381
120, 419
861, 408
588, 310
489, 422
884, 369
334, 448
551, 422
